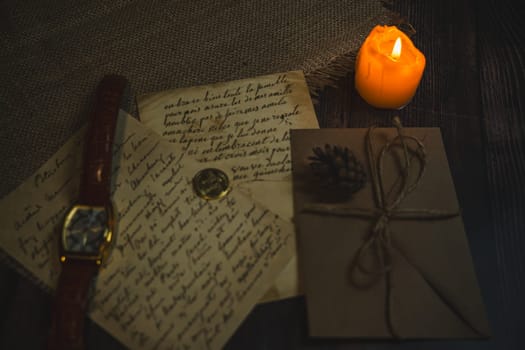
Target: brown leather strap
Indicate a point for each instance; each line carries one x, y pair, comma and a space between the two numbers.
96, 179
69, 309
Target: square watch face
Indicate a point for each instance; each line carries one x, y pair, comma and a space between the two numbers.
85, 230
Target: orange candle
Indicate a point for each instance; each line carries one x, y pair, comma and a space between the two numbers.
388, 68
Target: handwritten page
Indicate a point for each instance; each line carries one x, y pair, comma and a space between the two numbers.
184, 272
244, 126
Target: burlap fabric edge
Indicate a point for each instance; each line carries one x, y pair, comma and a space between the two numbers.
40, 67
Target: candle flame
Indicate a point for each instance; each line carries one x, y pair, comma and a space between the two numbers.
396, 50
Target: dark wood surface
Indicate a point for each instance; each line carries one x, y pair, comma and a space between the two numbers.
473, 88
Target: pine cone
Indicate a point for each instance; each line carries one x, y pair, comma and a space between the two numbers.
338, 171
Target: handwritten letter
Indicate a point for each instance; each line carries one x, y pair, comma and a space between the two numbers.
184, 272
245, 123
243, 126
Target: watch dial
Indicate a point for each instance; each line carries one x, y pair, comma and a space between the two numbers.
85, 230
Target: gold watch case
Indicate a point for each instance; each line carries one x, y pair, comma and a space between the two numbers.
88, 233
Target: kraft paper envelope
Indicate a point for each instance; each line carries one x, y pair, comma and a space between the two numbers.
376, 269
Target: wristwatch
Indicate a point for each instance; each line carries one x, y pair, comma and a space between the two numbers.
88, 230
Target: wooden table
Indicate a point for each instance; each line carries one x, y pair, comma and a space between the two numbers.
473, 89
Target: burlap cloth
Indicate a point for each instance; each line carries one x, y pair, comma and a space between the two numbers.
53, 53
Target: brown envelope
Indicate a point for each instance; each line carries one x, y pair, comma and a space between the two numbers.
422, 283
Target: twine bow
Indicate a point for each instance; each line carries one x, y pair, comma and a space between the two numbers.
378, 244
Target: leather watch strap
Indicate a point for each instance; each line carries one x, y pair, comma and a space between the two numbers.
69, 309
96, 178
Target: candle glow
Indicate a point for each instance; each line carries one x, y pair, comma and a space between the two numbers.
388, 68
396, 50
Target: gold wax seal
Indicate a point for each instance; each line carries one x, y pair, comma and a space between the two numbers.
211, 183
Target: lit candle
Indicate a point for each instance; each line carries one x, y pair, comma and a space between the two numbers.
388, 68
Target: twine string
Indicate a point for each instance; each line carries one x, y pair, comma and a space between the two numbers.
377, 246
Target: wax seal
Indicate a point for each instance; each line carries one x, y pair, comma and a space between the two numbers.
211, 183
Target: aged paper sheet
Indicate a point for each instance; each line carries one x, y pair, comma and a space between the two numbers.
243, 126
184, 272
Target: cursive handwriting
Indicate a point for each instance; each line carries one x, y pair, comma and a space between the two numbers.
245, 123
199, 260
184, 271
